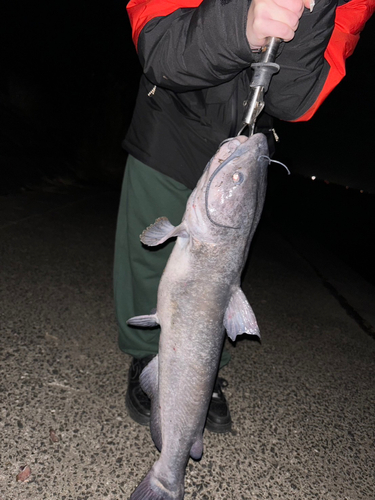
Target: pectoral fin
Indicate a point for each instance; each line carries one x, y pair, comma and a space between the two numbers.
148, 320
161, 231
239, 317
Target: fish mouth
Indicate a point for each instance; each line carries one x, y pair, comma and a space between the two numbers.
240, 139
234, 152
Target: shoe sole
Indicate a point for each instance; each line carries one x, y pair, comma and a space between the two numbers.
218, 428
134, 413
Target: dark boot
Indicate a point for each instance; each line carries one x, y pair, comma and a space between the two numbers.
137, 402
218, 417
139, 405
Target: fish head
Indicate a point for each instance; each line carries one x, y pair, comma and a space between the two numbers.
230, 194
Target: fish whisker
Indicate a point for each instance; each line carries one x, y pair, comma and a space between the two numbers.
275, 161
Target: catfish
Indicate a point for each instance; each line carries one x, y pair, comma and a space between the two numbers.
199, 298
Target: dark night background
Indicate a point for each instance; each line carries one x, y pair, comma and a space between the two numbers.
68, 81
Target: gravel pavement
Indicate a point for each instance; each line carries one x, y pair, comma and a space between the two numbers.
302, 400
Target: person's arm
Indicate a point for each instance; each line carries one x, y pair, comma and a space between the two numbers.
192, 47
313, 63
190, 44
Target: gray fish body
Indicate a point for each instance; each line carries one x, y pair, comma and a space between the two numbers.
199, 296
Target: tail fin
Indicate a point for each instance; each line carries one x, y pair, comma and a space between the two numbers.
146, 491
151, 489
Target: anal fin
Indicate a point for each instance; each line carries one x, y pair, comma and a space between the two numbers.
149, 380
196, 451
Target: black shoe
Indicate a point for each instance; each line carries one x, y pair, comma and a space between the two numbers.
137, 402
218, 417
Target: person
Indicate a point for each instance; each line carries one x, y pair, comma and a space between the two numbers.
196, 57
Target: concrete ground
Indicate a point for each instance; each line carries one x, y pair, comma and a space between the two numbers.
302, 400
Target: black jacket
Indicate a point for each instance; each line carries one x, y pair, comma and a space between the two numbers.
196, 77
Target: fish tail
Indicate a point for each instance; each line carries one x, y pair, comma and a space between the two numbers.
146, 491
152, 489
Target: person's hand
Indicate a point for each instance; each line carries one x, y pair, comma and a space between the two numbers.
278, 18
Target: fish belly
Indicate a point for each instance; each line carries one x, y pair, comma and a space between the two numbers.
191, 342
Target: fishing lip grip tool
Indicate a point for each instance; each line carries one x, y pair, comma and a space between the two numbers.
263, 72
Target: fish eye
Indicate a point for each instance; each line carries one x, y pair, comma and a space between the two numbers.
237, 177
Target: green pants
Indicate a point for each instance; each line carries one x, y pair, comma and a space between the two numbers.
146, 195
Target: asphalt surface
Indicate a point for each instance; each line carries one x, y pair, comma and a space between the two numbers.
302, 400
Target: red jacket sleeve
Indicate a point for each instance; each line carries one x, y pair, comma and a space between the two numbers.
349, 22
